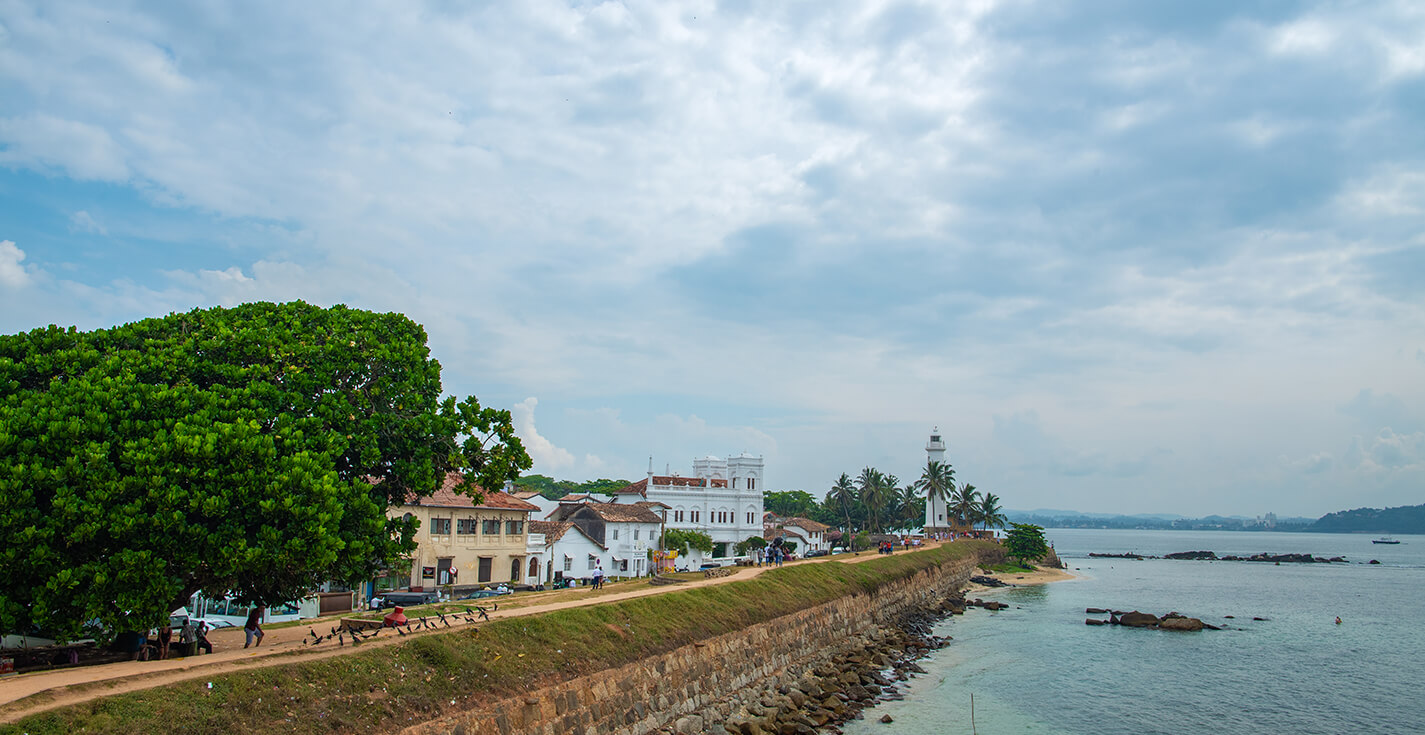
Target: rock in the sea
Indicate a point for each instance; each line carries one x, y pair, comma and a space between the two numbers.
887, 719
1193, 555
1137, 619
1375, 561
1094, 621
1095, 610
1180, 623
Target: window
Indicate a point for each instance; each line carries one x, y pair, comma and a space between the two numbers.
514, 528
749, 517
677, 516
490, 528
615, 533
568, 564
623, 565
635, 538
751, 483
694, 515
440, 526
465, 527
592, 559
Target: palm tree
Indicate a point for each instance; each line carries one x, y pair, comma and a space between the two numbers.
963, 502
912, 512
871, 485
937, 480
990, 514
843, 499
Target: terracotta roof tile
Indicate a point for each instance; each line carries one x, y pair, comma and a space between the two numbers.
446, 497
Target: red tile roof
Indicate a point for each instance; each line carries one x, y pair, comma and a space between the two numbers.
552, 530
615, 513
446, 497
641, 487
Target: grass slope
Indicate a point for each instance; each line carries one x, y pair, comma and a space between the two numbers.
384, 689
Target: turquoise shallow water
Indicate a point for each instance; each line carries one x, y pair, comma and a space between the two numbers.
1036, 668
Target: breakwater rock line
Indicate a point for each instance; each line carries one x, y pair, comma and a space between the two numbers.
1212, 556
726, 679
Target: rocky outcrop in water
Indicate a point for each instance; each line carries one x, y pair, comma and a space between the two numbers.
1135, 619
1212, 556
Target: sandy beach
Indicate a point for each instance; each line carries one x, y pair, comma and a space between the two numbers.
1043, 575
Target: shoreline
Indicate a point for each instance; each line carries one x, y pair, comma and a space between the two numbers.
1043, 575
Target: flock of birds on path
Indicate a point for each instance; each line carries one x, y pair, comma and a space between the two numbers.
357, 636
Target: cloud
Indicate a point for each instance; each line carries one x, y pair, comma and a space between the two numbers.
1071, 234
82, 221
547, 457
12, 273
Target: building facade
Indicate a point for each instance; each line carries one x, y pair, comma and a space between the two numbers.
464, 544
722, 499
626, 532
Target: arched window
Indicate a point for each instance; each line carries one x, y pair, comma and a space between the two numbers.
534, 567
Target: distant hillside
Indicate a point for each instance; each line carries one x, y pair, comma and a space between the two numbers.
1154, 521
1405, 519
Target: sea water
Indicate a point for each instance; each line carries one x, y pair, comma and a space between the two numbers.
1037, 668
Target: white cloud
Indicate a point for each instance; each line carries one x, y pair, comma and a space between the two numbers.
547, 457
81, 150
82, 221
12, 272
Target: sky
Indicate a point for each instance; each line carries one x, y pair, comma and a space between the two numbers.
1128, 257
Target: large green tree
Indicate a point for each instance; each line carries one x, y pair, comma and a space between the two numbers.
842, 500
251, 451
1025, 542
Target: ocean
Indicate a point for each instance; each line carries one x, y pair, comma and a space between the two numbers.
1037, 668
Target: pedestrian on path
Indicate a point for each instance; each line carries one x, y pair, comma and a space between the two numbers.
253, 628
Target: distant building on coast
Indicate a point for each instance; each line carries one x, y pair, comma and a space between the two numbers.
723, 499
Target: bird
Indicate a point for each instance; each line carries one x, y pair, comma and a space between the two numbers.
340, 639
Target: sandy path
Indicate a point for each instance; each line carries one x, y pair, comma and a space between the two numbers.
38, 691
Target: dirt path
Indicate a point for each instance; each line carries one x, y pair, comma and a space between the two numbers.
27, 694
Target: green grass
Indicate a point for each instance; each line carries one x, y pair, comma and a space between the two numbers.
385, 689
1009, 568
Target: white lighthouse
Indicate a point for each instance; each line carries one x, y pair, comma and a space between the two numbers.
935, 510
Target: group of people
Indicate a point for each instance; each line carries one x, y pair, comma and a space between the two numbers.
157, 644
598, 575
771, 556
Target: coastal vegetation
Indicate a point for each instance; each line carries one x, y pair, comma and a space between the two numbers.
876, 502
385, 688
1025, 542
251, 452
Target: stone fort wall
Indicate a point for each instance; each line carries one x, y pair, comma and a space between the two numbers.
693, 689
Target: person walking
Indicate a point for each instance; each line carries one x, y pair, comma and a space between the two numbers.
598, 575
253, 628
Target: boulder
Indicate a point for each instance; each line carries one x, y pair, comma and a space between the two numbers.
1137, 619
1094, 621
1095, 610
1180, 623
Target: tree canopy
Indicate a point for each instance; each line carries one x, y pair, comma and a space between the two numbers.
250, 451
1025, 542
680, 541
790, 503
555, 489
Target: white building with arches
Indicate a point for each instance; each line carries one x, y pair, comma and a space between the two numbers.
723, 498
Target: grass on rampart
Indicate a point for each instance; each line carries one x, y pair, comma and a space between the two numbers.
387, 688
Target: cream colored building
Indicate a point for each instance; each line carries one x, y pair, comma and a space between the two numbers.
465, 544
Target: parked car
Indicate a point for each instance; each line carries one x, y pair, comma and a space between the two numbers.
407, 599
817, 552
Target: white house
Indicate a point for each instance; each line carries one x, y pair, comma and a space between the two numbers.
628, 532
723, 499
566, 552
808, 534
